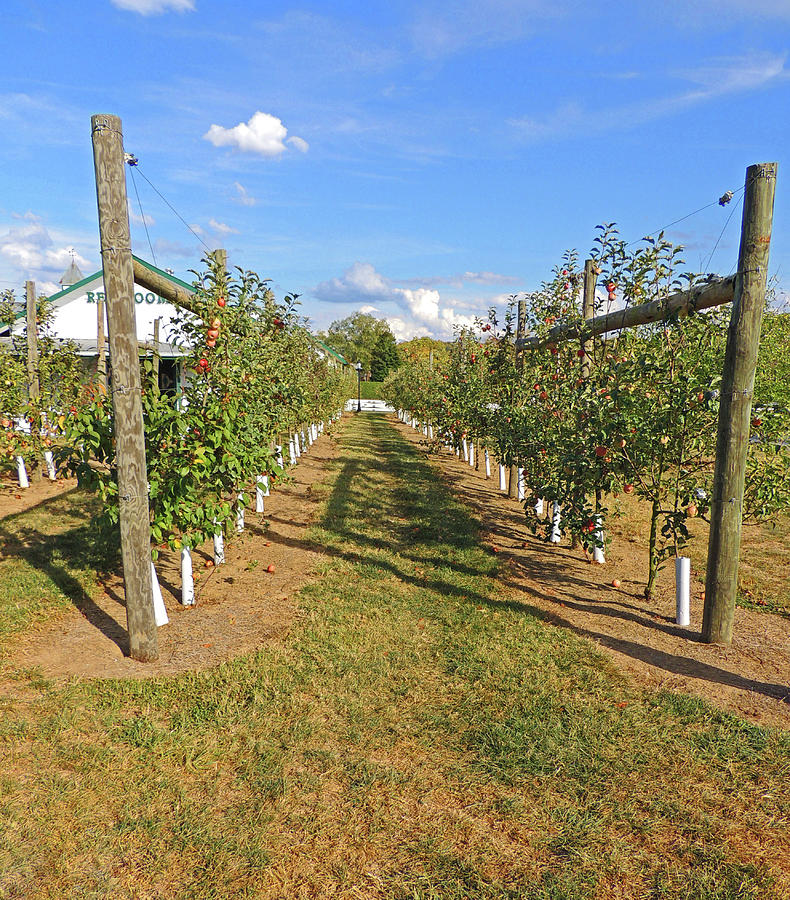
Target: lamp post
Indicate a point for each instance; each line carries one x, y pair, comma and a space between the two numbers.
359, 386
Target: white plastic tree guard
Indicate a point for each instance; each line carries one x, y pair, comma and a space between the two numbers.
49, 459
279, 451
160, 613
683, 591
430, 432
598, 554
240, 515
291, 451
487, 457
502, 478
187, 581
465, 449
539, 508
219, 549
556, 519
21, 473
522, 486
471, 454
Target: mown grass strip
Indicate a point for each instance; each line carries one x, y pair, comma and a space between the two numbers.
419, 734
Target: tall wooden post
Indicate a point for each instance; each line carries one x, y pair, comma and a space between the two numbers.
156, 354
101, 362
588, 311
521, 330
33, 386
735, 406
108, 160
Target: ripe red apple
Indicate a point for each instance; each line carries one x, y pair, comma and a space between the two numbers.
270, 568
691, 511
220, 301
601, 451
628, 489
203, 364
615, 582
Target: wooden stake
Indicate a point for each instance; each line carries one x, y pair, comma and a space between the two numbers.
33, 386
101, 344
521, 330
156, 353
108, 160
735, 405
588, 311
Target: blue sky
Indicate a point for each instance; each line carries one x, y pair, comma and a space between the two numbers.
421, 160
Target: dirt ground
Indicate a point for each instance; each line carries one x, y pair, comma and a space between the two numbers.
240, 606
14, 499
750, 678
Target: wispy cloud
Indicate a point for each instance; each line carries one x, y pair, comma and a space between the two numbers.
221, 227
716, 79
154, 7
243, 196
444, 27
263, 135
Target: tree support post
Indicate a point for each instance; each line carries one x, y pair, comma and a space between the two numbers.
33, 385
521, 330
108, 160
735, 404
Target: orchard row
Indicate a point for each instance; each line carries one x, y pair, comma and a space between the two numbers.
633, 411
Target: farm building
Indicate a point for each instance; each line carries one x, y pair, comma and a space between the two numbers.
75, 311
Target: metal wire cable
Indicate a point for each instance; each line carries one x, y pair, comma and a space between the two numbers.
142, 215
174, 210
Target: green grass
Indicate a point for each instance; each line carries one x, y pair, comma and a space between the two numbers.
420, 733
370, 390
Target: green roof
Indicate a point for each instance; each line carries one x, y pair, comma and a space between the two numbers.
331, 351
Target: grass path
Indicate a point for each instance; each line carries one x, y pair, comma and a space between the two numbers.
417, 735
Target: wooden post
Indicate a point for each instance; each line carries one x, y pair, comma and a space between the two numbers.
33, 384
108, 160
101, 361
735, 405
588, 311
521, 328
156, 354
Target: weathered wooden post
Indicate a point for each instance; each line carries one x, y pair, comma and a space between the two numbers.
116, 251
521, 329
156, 354
735, 405
33, 385
101, 360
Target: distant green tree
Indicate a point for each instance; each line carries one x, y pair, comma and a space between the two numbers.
385, 356
355, 337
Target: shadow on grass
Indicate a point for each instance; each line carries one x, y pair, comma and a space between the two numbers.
348, 510
89, 547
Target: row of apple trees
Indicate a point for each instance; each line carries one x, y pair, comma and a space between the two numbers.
28, 426
254, 378
633, 411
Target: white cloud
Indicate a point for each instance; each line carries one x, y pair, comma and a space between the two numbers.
243, 196
263, 134
422, 309
31, 249
368, 309
718, 78
301, 145
221, 227
154, 7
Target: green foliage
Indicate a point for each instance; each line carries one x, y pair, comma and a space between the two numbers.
356, 337
635, 410
253, 378
385, 356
